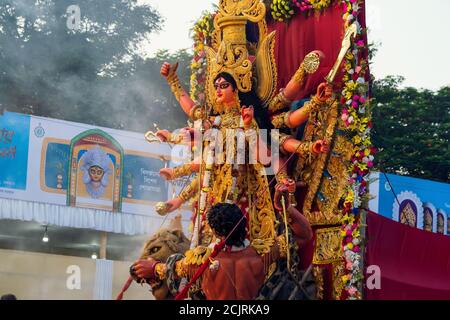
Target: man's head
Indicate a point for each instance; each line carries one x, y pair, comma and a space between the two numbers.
225, 87
8, 297
223, 217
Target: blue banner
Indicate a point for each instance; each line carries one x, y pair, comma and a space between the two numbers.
14, 141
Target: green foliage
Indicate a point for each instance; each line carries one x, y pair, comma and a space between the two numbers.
411, 128
94, 74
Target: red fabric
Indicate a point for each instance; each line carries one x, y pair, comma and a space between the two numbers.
303, 34
415, 264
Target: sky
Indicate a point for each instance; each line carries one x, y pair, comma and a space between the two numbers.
413, 36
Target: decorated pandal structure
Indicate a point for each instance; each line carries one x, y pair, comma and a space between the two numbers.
303, 75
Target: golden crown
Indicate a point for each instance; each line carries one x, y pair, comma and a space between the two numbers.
229, 52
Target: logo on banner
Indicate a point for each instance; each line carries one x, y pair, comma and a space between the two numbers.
39, 131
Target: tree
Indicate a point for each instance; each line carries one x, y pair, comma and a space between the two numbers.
51, 69
411, 129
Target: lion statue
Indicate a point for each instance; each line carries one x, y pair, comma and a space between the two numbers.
160, 246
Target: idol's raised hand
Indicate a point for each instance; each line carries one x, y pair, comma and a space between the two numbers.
167, 70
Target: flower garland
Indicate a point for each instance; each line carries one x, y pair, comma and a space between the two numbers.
283, 10
202, 34
356, 116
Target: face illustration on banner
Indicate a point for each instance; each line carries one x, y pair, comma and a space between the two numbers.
96, 170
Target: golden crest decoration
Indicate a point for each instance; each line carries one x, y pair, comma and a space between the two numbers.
229, 51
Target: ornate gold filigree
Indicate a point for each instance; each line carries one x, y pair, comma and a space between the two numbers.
318, 276
278, 120
182, 171
283, 246
181, 268
328, 246
338, 284
266, 69
160, 271
311, 62
229, 52
174, 82
162, 208
189, 191
325, 174
197, 256
279, 102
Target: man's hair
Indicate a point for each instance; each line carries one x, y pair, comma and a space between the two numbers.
223, 217
8, 297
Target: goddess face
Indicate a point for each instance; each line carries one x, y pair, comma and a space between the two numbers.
225, 93
96, 173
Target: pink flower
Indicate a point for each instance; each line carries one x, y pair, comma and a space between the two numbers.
355, 104
355, 97
356, 249
352, 291
348, 233
349, 266
358, 69
360, 43
362, 100
370, 164
344, 116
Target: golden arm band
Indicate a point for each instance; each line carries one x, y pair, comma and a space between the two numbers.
281, 175
305, 148
300, 75
181, 269
279, 102
189, 191
196, 113
182, 171
175, 86
160, 271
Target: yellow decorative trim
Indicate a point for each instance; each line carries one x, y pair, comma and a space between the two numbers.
278, 120
189, 191
175, 86
278, 102
338, 283
322, 124
318, 276
328, 246
197, 256
160, 271
182, 171
283, 246
181, 268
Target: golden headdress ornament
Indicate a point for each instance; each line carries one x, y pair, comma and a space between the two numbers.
229, 52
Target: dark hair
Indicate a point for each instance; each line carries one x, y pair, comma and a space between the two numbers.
8, 297
249, 99
223, 217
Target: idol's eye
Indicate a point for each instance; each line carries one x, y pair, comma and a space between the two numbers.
154, 250
222, 85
